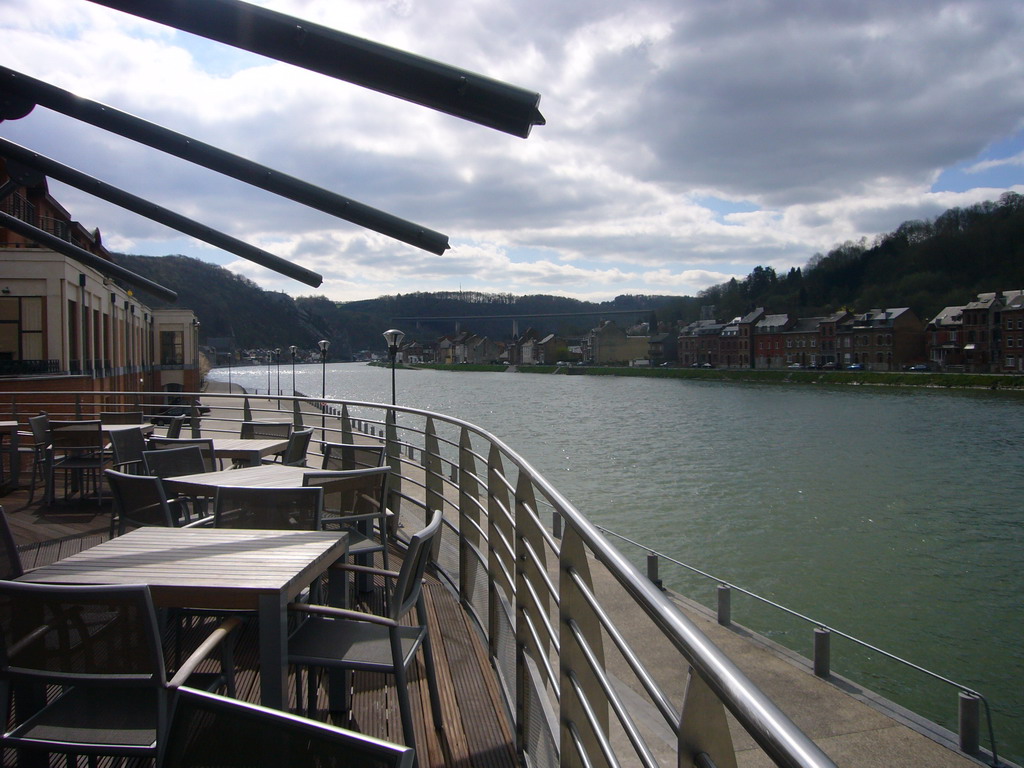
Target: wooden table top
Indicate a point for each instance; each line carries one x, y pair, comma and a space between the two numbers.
203, 567
262, 476
146, 428
239, 448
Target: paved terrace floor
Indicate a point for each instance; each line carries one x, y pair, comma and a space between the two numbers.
853, 726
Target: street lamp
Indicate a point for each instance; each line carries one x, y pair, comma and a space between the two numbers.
293, 349
323, 344
277, 354
393, 337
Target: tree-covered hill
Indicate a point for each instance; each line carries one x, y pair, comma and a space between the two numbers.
926, 265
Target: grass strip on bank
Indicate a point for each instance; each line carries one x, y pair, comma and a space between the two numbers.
872, 378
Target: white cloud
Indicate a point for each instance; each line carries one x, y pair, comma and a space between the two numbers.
828, 122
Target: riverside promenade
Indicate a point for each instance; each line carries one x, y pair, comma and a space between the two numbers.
854, 726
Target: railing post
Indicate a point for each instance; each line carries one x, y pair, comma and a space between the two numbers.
556, 524
652, 570
970, 718
822, 652
724, 605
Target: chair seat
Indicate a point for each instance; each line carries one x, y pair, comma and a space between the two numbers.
86, 719
354, 644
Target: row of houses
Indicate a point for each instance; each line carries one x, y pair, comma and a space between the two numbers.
983, 336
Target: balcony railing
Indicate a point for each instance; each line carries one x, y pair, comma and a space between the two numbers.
28, 367
570, 624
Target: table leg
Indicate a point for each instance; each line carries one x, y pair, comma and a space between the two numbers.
273, 650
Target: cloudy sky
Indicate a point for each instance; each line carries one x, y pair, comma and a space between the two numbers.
687, 141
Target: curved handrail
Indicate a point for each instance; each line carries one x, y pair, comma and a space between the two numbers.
495, 514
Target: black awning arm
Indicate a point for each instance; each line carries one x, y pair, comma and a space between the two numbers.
18, 88
131, 202
82, 256
394, 72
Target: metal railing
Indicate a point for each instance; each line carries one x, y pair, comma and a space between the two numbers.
968, 722
572, 627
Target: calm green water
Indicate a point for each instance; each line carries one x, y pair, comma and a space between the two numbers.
891, 515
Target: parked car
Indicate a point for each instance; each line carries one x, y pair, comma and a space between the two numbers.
920, 367
855, 367
795, 365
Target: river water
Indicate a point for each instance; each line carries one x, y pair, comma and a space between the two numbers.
893, 515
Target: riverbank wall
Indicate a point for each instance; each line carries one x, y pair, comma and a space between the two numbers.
855, 378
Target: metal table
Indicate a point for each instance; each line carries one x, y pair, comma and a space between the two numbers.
216, 568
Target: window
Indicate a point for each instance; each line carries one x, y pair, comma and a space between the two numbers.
1010, 361
172, 347
1009, 325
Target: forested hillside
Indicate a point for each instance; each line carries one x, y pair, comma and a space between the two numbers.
925, 265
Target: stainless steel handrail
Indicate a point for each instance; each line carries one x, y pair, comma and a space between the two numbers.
505, 502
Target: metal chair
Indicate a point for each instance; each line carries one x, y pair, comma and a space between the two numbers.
354, 500
352, 456
205, 444
128, 445
210, 730
84, 453
254, 430
295, 454
99, 649
338, 638
10, 558
268, 508
40, 450
141, 500
174, 426
122, 417
184, 460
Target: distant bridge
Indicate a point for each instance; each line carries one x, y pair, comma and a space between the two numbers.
457, 319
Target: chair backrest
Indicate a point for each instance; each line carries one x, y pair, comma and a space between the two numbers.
139, 500
252, 430
77, 436
121, 417
79, 635
10, 558
352, 456
356, 492
170, 462
40, 426
211, 730
268, 508
174, 426
205, 445
410, 576
128, 446
298, 446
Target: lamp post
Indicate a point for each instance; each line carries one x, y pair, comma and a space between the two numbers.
293, 349
277, 354
323, 344
270, 359
393, 337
